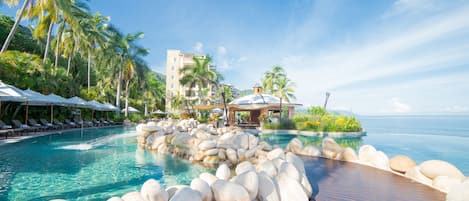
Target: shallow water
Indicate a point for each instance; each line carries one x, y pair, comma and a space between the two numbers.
94, 165
420, 137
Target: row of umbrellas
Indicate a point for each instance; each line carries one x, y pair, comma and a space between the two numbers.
29, 97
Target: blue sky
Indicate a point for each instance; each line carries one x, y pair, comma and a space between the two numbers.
375, 57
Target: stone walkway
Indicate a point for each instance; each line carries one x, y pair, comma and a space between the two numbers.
338, 180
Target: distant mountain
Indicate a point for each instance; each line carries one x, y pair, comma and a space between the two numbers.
160, 76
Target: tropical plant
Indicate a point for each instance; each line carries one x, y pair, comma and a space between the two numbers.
18, 18
199, 76
271, 78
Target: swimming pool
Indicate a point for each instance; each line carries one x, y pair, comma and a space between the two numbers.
420, 137
95, 164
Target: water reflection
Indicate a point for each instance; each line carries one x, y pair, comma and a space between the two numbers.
282, 140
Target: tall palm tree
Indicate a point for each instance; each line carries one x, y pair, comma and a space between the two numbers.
18, 18
284, 90
199, 76
270, 77
95, 35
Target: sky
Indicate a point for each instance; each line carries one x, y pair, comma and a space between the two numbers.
374, 57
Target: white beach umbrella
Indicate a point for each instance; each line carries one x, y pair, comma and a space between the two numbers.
80, 103
10, 93
111, 107
131, 110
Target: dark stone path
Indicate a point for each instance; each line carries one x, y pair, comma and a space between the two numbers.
338, 180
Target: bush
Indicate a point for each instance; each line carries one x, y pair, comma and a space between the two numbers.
321, 121
285, 124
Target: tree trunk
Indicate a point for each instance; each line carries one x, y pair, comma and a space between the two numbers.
49, 35
59, 37
127, 92
118, 93
15, 26
89, 70
69, 62
280, 119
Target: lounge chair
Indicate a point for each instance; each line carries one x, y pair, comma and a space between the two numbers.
4, 126
88, 123
97, 123
104, 122
47, 124
25, 128
59, 124
78, 122
33, 123
7, 129
71, 124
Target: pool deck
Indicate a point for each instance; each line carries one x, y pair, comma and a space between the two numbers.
14, 139
339, 180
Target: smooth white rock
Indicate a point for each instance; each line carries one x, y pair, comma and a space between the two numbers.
153, 191
232, 156
276, 153
203, 188
222, 154
434, 168
133, 196
229, 191
223, 172
307, 186
380, 161
211, 152
253, 141
267, 167
290, 170
459, 192
173, 189
205, 145
311, 151
207, 177
290, 189
296, 161
249, 181
110, 199
366, 153
185, 194
330, 148
444, 183
295, 145
268, 188
241, 154
414, 174
243, 167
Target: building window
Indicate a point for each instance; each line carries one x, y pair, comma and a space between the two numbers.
172, 77
174, 59
172, 86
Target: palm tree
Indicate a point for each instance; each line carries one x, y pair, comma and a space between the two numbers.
177, 102
199, 76
284, 90
95, 35
18, 18
270, 77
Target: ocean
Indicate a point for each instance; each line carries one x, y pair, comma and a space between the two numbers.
421, 137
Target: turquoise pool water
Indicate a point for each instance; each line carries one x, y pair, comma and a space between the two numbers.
420, 137
93, 165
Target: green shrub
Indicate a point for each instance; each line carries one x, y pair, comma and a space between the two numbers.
321, 121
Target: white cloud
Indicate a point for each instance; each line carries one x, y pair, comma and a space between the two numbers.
221, 51
398, 106
198, 47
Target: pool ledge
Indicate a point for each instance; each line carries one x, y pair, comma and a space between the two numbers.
313, 133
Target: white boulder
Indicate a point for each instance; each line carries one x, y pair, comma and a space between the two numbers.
211, 152
459, 192
249, 181
311, 151
414, 174
267, 167
232, 156
330, 148
203, 188
268, 189
290, 189
401, 163
295, 145
185, 194
366, 153
110, 199
435, 168
296, 161
173, 189
276, 153
229, 191
290, 170
244, 167
223, 172
152, 191
205, 145
207, 177
444, 183
134, 196
380, 161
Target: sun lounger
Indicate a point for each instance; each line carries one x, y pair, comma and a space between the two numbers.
97, 123
59, 124
71, 124
4, 126
88, 123
47, 124
104, 122
33, 123
78, 122
25, 128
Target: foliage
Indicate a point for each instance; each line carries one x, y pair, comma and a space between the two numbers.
23, 40
262, 117
320, 120
214, 117
26, 70
284, 124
